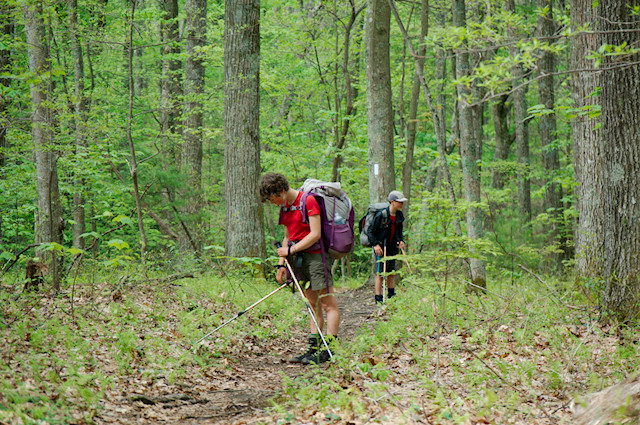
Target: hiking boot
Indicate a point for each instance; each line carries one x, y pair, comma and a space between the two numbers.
317, 358
313, 348
321, 356
379, 299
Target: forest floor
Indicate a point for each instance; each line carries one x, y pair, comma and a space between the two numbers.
240, 393
122, 354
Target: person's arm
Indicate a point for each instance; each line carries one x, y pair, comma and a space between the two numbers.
400, 229
283, 249
372, 233
315, 225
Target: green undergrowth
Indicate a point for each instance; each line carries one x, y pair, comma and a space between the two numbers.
64, 352
520, 352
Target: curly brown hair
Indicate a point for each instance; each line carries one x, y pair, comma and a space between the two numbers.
272, 184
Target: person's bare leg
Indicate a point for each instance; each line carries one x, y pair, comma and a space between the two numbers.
330, 306
312, 298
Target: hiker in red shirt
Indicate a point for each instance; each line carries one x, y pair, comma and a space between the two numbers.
301, 247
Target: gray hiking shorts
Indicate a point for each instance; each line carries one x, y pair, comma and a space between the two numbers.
311, 270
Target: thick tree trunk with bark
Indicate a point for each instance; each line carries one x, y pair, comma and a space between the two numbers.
379, 101
49, 219
620, 142
469, 149
245, 231
587, 167
194, 74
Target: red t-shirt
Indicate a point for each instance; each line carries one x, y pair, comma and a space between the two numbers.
393, 227
293, 219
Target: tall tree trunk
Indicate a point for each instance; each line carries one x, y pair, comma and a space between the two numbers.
437, 114
379, 101
413, 105
170, 83
194, 73
6, 31
620, 144
588, 238
245, 231
350, 92
500, 112
520, 107
469, 149
49, 220
80, 117
133, 161
547, 127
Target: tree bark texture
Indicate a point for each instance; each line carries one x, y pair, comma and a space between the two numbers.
379, 101
547, 127
191, 158
412, 124
244, 232
469, 120
520, 107
588, 173
49, 220
171, 82
620, 142
6, 29
350, 92
80, 117
500, 113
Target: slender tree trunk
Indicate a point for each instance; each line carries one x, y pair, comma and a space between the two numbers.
245, 231
194, 75
469, 148
133, 161
49, 219
500, 113
588, 238
620, 133
520, 107
437, 114
350, 92
547, 126
170, 83
379, 101
413, 105
80, 116
6, 30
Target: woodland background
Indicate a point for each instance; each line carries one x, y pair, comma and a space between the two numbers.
133, 136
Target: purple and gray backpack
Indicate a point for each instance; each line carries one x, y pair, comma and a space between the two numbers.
337, 216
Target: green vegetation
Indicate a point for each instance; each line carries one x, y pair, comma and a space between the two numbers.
522, 350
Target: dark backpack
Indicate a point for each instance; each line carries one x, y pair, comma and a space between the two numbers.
337, 216
365, 222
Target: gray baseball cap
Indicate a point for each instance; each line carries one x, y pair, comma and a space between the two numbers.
397, 196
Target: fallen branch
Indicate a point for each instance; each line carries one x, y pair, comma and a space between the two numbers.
551, 291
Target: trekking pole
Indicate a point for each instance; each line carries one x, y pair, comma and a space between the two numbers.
384, 274
405, 261
309, 309
240, 313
